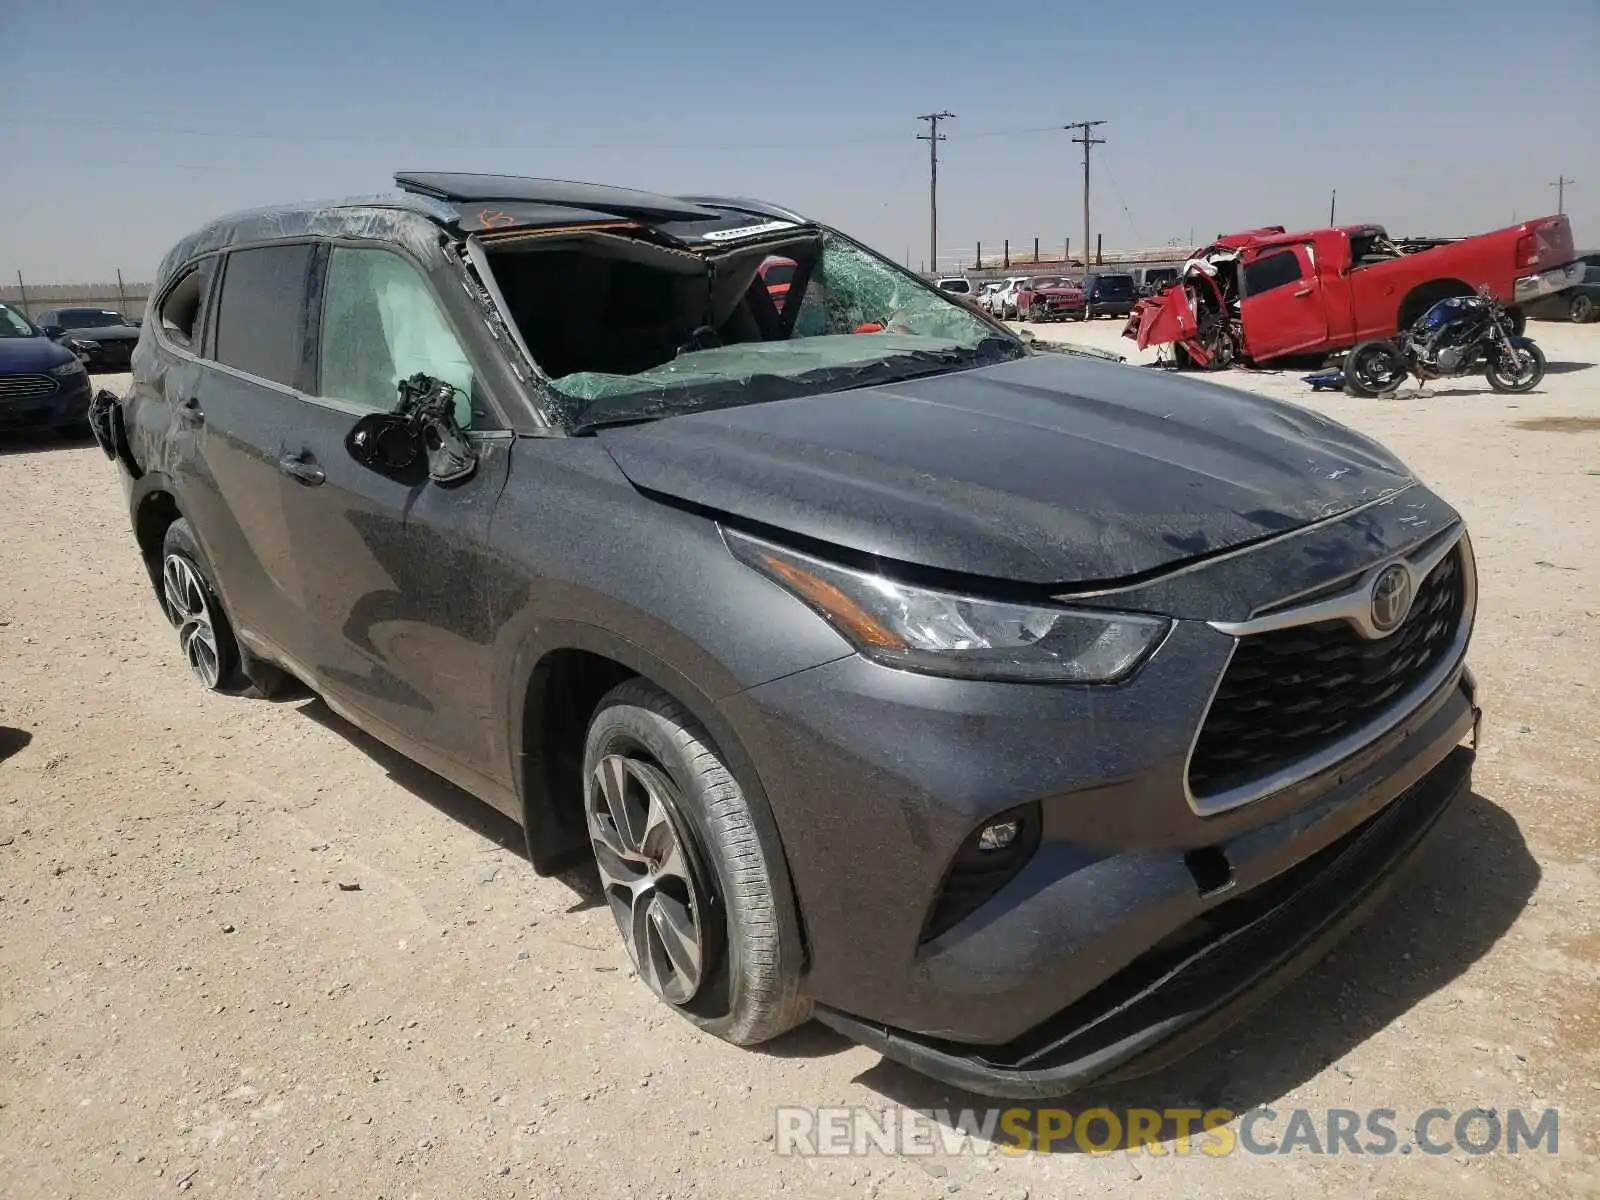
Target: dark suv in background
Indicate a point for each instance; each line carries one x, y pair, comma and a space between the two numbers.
1107, 295
1025, 716
109, 336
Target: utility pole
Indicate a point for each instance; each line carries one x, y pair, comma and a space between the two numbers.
1560, 185
933, 137
1086, 139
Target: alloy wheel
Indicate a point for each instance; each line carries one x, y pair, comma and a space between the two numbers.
189, 609
1582, 309
647, 871
1515, 366
1379, 370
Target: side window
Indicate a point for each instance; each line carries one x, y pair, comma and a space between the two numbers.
261, 325
1271, 271
381, 324
182, 314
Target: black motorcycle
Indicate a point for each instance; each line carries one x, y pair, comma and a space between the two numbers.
1460, 335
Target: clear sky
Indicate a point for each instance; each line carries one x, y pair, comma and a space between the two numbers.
124, 125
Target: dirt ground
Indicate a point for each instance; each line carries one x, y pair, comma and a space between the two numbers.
191, 1000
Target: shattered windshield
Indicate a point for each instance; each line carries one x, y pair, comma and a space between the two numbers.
853, 320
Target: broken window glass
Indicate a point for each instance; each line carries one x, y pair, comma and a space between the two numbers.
628, 330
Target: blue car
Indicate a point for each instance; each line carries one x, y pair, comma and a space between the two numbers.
43, 385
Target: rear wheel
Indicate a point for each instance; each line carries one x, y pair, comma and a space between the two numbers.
1521, 369
693, 872
1582, 309
190, 599
1374, 368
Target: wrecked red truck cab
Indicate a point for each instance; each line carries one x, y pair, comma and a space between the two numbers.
1266, 293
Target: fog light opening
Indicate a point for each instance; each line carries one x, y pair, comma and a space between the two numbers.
1211, 870
998, 836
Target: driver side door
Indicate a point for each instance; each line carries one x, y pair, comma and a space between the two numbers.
395, 575
1282, 309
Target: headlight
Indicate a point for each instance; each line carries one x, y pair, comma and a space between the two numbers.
67, 368
945, 633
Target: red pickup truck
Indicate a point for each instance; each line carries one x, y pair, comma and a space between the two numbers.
1266, 294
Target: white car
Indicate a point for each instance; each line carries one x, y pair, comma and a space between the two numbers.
957, 286
1003, 300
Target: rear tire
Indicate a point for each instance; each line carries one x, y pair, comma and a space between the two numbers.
1374, 368
1582, 310
189, 597
692, 871
1512, 381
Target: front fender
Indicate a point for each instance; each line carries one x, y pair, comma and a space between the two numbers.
596, 566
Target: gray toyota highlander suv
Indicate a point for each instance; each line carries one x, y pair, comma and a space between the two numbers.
1025, 716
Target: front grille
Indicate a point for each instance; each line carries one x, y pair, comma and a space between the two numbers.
26, 387
1291, 693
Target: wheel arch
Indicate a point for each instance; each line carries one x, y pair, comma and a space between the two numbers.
153, 514
1425, 295
558, 680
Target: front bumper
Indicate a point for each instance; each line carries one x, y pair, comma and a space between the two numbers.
1179, 997
67, 405
1546, 283
877, 778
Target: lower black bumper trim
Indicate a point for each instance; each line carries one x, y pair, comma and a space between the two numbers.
1214, 988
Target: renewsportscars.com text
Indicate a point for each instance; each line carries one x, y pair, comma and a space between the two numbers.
1214, 1132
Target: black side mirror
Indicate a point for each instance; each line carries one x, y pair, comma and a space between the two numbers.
388, 444
419, 439
52, 331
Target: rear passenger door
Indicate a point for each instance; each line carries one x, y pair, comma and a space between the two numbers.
395, 577
232, 395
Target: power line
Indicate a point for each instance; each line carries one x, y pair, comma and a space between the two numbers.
1116, 191
1086, 139
933, 137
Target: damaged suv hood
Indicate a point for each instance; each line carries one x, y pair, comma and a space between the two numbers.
1048, 470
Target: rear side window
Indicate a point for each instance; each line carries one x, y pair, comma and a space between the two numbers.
182, 315
261, 317
1271, 271
381, 324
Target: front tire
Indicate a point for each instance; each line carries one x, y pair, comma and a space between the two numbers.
1516, 377
189, 596
1582, 310
692, 871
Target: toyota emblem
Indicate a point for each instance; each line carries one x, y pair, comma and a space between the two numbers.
1391, 598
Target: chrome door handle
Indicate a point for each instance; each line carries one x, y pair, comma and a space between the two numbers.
1302, 292
303, 467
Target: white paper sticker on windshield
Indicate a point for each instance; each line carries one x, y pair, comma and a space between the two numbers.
744, 231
